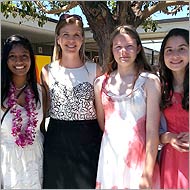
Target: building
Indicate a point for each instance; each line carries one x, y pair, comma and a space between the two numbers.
42, 39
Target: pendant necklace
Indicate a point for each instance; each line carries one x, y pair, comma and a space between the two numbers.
18, 89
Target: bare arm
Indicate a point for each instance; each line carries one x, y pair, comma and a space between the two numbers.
44, 104
152, 88
99, 71
44, 81
98, 103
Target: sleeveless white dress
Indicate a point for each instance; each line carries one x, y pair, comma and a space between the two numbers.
21, 168
122, 153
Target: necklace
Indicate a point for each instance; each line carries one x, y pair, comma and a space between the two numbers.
18, 89
23, 135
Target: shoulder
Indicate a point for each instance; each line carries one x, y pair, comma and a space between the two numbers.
99, 71
99, 80
39, 86
150, 76
152, 81
94, 67
41, 89
90, 64
50, 65
45, 71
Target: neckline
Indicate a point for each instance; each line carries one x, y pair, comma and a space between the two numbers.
136, 85
61, 67
113, 95
70, 69
178, 93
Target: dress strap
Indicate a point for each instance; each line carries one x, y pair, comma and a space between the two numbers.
106, 76
141, 80
10, 107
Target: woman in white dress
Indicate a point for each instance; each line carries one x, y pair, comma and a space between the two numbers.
22, 117
127, 100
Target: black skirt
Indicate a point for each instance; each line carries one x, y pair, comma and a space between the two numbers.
71, 152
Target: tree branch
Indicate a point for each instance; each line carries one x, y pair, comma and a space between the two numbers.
173, 11
137, 7
161, 6
125, 13
71, 5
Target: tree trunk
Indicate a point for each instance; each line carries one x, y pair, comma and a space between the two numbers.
101, 23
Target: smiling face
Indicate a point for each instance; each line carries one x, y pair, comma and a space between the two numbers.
19, 60
176, 53
125, 50
70, 39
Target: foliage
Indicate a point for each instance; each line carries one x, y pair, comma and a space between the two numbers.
39, 10
150, 25
25, 9
112, 5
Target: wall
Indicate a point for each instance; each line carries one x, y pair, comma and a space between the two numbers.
41, 60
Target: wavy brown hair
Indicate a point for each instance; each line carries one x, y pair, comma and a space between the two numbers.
166, 76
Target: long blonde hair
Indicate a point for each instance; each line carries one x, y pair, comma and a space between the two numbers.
66, 19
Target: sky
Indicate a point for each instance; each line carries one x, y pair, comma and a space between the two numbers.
156, 16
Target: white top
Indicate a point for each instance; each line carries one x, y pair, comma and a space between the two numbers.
72, 91
21, 168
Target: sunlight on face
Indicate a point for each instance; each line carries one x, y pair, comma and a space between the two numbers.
124, 49
71, 32
70, 38
19, 60
176, 53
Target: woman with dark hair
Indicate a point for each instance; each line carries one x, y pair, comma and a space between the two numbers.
174, 76
22, 113
73, 137
127, 99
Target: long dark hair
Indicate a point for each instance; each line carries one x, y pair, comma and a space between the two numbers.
140, 61
6, 74
166, 75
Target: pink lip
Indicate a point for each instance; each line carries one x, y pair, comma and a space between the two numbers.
176, 63
123, 58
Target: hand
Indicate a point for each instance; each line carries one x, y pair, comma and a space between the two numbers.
177, 142
145, 182
184, 138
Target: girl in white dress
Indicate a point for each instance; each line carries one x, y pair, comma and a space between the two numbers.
127, 100
22, 113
